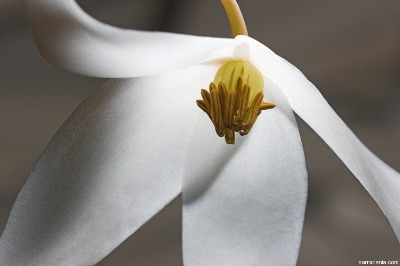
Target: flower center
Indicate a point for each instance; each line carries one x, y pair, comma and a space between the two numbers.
234, 99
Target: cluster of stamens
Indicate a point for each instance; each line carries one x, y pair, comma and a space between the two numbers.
232, 109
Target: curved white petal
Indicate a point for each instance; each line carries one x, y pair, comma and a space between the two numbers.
250, 209
69, 38
115, 163
380, 180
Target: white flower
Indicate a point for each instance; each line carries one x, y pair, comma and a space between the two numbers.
140, 141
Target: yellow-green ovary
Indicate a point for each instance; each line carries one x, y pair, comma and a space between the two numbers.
231, 71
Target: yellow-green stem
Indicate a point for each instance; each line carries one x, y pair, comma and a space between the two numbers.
235, 17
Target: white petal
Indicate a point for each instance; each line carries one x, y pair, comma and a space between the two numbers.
380, 180
69, 38
114, 164
250, 209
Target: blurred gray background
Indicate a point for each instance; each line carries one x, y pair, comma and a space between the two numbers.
349, 48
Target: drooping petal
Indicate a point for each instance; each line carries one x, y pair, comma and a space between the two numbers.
379, 179
71, 39
115, 163
244, 204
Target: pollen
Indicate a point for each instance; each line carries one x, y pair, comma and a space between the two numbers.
234, 99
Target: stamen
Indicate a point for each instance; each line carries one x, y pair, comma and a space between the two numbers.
232, 111
234, 99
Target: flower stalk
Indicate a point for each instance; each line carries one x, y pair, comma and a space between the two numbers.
235, 17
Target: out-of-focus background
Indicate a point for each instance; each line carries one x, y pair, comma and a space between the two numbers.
349, 48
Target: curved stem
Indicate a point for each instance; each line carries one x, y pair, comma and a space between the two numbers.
235, 17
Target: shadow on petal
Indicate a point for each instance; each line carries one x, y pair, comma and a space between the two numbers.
203, 165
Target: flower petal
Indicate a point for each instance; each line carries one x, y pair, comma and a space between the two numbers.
250, 209
114, 164
69, 38
379, 179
